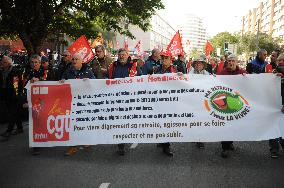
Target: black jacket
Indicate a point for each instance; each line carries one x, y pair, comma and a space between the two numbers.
84, 72
14, 85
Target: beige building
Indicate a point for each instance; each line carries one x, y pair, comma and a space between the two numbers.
268, 18
158, 36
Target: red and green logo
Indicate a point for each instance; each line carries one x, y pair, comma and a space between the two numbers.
222, 101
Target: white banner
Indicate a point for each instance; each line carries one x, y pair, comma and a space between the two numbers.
155, 109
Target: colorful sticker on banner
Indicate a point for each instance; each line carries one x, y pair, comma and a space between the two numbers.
51, 107
226, 104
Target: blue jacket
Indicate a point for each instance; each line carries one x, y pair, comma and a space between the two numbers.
148, 66
256, 66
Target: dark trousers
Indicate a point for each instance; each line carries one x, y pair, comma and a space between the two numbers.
14, 114
165, 145
121, 146
226, 145
274, 144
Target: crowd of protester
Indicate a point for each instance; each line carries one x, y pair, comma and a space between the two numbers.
16, 70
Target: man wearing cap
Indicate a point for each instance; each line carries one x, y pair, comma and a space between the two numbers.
232, 68
166, 67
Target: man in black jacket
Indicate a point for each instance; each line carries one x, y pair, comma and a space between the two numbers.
11, 87
77, 70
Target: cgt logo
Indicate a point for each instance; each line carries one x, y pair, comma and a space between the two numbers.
225, 104
51, 112
58, 125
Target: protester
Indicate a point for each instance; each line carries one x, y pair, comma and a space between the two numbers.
180, 64
166, 67
77, 70
11, 92
48, 70
64, 64
231, 69
101, 63
274, 143
258, 65
122, 68
153, 62
220, 66
40, 72
213, 63
199, 67
273, 58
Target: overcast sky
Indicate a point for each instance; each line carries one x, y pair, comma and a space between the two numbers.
218, 15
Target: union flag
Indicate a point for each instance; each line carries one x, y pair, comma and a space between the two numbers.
175, 47
82, 47
208, 48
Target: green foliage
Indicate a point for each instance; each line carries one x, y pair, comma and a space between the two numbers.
219, 40
195, 53
247, 43
34, 20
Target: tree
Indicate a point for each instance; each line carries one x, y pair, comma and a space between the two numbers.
248, 43
33, 20
219, 40
195, 53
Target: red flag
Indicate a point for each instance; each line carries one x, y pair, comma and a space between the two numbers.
187, 42
126, 45
82, 47
208, 48
175, 46
138, 47
117, 45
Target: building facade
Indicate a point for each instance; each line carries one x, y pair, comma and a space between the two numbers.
193, 32
268, 18
158, 36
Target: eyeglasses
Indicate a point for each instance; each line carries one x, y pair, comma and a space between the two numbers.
231, 60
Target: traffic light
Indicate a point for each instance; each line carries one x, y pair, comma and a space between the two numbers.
226, 46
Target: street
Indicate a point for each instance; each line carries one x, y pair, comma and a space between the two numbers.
144, 165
